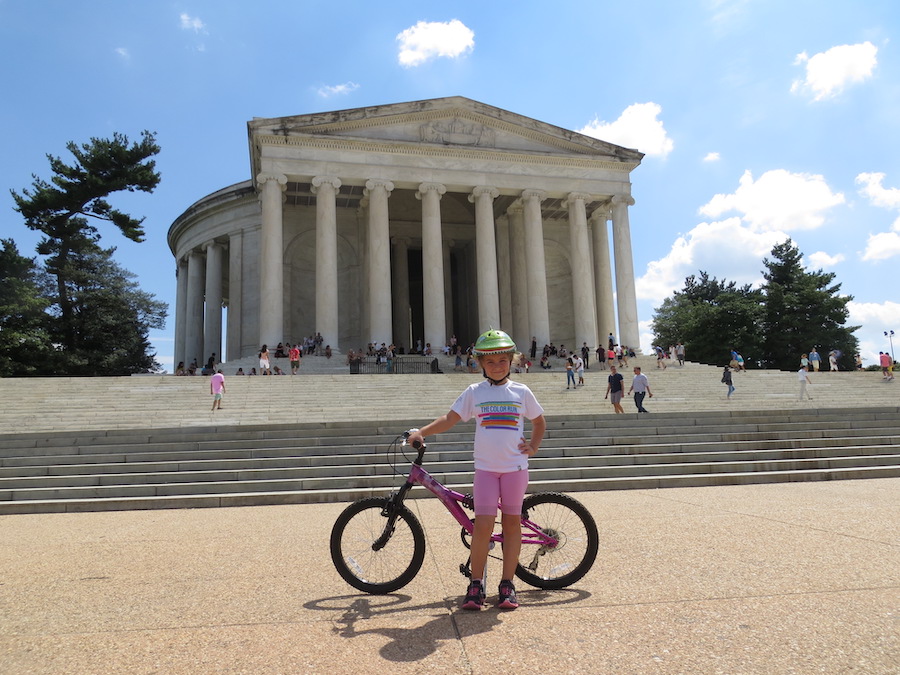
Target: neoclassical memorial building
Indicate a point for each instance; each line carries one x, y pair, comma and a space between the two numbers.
409, 221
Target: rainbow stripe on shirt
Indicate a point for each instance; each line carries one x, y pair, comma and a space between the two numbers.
499, 415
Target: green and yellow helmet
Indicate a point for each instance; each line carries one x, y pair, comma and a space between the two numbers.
494, 342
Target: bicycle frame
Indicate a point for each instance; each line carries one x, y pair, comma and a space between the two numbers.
452, 501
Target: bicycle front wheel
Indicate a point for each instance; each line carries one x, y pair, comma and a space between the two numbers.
572, 525
370, 553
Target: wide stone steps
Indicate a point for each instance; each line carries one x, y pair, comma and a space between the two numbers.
144, 402
291, 463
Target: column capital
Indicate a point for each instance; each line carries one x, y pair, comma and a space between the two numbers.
516, 207
602, 212
318, 181
573, 197
540, 195
484, 190
628, 200
426, 187
400, 241
373, 183
279, 178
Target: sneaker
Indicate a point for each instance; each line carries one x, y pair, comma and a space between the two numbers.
507, 595
474, 596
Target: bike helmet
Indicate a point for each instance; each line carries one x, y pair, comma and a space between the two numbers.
494, 342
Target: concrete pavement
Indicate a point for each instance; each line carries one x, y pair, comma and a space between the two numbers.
775, 578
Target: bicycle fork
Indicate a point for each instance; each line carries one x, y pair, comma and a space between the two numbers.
389, 511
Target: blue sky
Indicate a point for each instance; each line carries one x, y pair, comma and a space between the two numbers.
760, 119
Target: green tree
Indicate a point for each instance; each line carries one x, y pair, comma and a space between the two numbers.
66, 209
25, 344
711, 317
803, 310
111, 316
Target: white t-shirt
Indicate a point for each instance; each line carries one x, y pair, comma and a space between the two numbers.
500, 412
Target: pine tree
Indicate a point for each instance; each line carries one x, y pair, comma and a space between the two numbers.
803, 310
66, 209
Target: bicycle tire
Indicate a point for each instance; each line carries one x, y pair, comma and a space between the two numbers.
568, 520
385, 570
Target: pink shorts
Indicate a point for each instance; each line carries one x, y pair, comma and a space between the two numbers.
506, 488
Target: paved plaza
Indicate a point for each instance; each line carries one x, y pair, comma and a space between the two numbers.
776, 578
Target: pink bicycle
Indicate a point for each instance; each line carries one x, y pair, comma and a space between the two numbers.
378, 544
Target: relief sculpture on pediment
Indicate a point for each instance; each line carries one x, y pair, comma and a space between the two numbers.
457, 132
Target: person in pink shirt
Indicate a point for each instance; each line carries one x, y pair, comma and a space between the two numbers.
886, 366
217, 389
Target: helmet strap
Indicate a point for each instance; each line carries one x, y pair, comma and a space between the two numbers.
495, 383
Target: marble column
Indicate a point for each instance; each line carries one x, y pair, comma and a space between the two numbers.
448, 289
181, 296
325, 188
582, 274
271, 258
486, 257
234, 339
380, 323
193, 336
603, 286
626, 298
432, 263
400, 269
212, 325
518, 276
503, 274
536, 267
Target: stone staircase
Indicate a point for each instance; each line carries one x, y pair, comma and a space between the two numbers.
152, 442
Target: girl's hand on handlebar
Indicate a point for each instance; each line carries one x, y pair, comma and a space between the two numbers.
414, 438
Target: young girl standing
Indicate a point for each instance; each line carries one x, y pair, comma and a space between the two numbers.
500, 407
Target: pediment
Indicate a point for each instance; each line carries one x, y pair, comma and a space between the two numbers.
454, 122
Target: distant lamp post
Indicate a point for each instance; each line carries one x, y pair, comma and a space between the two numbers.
890, 336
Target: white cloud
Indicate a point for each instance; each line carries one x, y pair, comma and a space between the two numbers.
712, 157
338, 89
191, 23
874, 319
428, 40
882, 245
778, 201
828, 72
879, 195
884, 315
726, 250
121, 51
822, 260
637, 127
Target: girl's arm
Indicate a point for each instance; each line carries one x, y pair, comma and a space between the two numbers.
441, 424
538, 427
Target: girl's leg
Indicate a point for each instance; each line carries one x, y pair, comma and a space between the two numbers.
512, 543
481, 544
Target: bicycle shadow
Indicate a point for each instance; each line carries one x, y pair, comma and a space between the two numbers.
416, 643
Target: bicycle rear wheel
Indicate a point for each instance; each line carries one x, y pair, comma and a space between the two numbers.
360, 562
572, 525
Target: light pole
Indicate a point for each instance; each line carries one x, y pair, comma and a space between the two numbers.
890, 336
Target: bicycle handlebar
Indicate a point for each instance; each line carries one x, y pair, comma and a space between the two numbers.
418, 445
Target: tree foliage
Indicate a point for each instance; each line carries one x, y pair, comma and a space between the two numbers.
803, 310
710, 317
25, 342
85, 312
66, 208
794, 311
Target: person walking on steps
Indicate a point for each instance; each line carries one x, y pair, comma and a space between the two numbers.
500, 408
726, 379
217, 389
803, 378
640, 385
